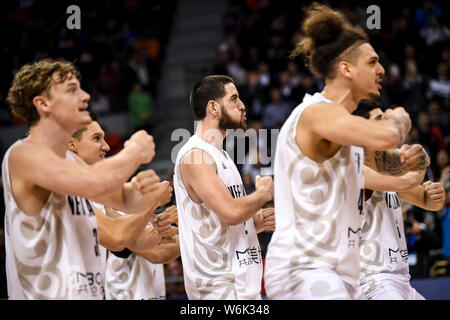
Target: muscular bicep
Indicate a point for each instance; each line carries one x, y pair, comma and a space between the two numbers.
334, 123
202, 179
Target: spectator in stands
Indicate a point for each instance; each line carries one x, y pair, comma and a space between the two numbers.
276, 112
423, 14
441, 163
413, 86
99, 103
421, 238
140, 106
430, 135
435, 32
440, 117
440, 85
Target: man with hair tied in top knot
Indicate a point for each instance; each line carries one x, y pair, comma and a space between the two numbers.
319, 164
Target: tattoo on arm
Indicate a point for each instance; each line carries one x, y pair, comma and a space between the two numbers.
388, 162
402, 124
367, 158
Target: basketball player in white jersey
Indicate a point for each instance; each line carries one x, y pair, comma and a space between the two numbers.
218, 222
319, 176
127, 274
383, 250
51, 230
140, 275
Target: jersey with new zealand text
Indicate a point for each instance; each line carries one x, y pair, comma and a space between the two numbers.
219, 261
318, 209
383, 245
54, 255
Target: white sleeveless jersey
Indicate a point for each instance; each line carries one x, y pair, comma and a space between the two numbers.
383, 244
219, 261
318, 210
54, 255
134, 278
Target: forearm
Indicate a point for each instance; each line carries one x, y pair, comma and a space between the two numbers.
149, 238
128, 199
121, 231
106, 235
161, 254
380, 182
244, 208
116, 170
386, 162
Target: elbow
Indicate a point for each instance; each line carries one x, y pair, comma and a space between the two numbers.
231, 217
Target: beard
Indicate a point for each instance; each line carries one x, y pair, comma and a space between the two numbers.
225, 122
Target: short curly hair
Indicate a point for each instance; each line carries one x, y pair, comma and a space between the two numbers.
33, 80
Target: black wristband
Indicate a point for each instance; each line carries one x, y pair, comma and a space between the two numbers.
125, 253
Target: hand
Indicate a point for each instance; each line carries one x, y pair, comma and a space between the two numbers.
267, 218
173, 239
143, 144
162, 224
415, 157
163, 193
265, 185
410, 180
172, 213
445, 175
435, 192
145, 181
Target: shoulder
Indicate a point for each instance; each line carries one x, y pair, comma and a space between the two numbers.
28, 149
197, 157
320, 107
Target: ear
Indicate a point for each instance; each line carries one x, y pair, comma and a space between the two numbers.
73, 145
345, 68
213, 108
41, 104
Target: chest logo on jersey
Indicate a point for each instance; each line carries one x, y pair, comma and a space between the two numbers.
80, 206
353, 237
249, 256
224, 166
398, 254
237, 191
392, 200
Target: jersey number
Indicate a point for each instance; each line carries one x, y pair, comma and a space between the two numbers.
361, 201
97, 253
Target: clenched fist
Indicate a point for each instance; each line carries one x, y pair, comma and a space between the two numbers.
143, 145
265, 185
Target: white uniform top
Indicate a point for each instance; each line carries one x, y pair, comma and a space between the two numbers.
383, 245
219, 261
134, 278
54, 255
318, 209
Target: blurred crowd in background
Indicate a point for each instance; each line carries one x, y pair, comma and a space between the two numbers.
119, 60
